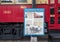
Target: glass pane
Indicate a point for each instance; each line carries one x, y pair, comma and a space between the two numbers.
58, 20
52, 2
46, 24
22, 0
42, 1
58, 10
52, 10
52, 20
6, 0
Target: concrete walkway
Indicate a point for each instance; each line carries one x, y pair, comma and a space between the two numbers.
18, 41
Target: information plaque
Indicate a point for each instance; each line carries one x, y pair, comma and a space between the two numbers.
33, 21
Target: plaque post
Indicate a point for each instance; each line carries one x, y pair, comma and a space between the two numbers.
33, 39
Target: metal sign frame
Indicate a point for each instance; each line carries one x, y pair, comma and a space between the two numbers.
26, 30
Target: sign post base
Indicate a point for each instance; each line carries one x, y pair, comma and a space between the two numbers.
33, 39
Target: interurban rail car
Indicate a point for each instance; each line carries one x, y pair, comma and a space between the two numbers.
12, 16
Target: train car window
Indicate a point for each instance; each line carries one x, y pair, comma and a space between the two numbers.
23, 1
46, 24
52, 1
7, 1
41, 1
58, 20
52, 10
58, 1
52, 20
58, 10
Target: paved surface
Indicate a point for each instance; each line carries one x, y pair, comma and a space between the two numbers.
40, 39
19, 41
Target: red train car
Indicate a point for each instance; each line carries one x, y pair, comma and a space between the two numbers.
12, 13
12, 19
52, 17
